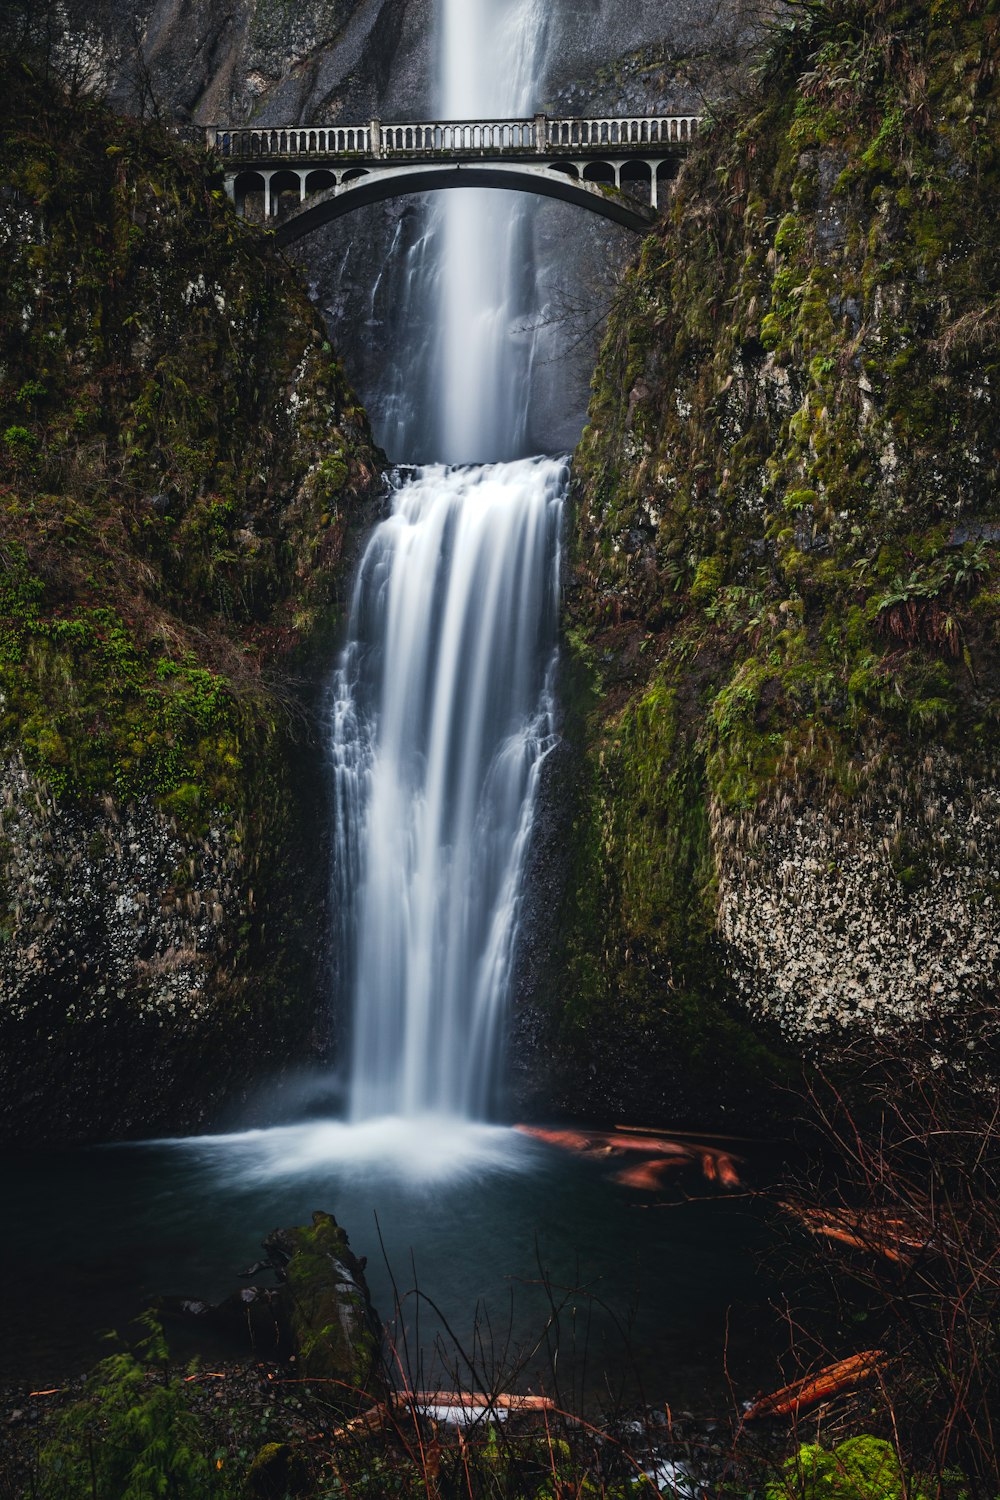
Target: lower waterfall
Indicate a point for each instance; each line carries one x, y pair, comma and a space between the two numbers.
441, 717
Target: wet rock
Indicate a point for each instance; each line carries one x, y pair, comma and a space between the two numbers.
256, 1268
320, 1314
325, 1297
277, 1471
158, 823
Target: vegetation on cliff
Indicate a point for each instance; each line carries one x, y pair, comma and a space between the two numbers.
785, 560
181, 460
179, 455
783, 622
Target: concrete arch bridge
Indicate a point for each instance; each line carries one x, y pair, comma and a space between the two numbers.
308, 175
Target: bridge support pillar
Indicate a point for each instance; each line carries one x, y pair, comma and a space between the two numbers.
267, 193
654, 186
376, 141
302, 185
229, 183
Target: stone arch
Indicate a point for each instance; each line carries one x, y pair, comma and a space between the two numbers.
637, 171
381, 184
599, 171
286, 189
247, 185
318, 179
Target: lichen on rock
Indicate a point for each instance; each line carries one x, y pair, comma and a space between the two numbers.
181, 466
784, 557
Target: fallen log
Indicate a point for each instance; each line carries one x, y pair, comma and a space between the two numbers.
719, 1167
471, 1403
715, 1165
646, 1174
833, 1380
894, 1238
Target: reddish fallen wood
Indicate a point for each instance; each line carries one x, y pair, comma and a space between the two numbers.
833, 1380
720, 1167
502, 1401
893, 1238
571, 1140
376, 1417
715, 1165
646, 1174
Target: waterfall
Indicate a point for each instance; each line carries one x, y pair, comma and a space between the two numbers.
442, 701
463, 395
492, 60
443, 713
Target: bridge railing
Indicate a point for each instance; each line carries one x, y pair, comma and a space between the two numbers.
630, 131
243, 143
491, 137
540, 135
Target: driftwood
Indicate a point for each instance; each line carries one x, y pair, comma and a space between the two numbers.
418, 1402
833, 1380
664, 1154
893, 1238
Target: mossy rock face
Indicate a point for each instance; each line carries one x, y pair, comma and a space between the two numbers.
277, 1473
784, 558
328, 1306
182, 469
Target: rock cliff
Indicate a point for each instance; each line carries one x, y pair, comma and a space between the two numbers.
783, 610
181, 465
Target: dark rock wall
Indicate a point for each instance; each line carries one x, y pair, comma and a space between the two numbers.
182, 468
782, 656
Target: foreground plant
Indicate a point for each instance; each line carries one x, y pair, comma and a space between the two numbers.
132, 1436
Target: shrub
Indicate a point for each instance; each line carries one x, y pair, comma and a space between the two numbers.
132, 1436
862, 1468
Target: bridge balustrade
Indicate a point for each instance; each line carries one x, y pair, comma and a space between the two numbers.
327, 140
652, 130
492, 136
454, 137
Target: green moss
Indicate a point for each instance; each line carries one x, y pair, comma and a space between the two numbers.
815, 327
172, 532
278, 1472
862, 1468
707, 579
167, 528
331, 1317
640, 959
